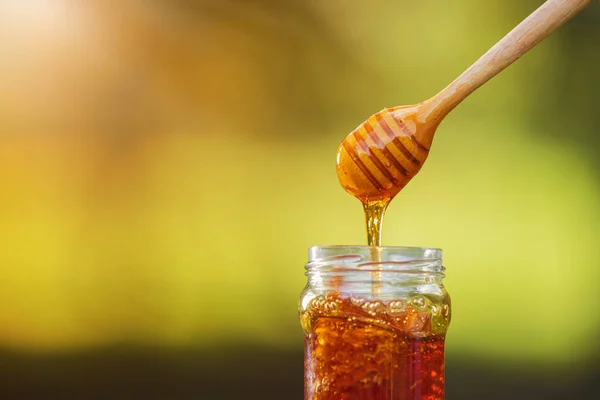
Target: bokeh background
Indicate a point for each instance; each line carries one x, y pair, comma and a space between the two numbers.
164, 166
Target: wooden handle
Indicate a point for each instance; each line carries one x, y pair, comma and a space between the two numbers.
541, 23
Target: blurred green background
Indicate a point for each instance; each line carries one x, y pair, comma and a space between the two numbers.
164, 166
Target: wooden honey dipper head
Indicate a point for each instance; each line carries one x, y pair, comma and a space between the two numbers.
377, 159
381, 156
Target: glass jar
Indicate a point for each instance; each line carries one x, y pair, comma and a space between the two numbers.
375, 321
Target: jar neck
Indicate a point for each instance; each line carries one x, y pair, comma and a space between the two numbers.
375, 271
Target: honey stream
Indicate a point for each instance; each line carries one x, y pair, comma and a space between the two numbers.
376, 161
374, 212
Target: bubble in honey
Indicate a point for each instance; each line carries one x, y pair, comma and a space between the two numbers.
372, 308
330, 306
445, 310
396, 306
325, 384
357, 301
317, 303
419, 302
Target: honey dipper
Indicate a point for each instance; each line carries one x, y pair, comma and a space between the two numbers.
377, 159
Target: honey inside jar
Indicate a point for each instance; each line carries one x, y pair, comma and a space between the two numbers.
377, 350
362, 344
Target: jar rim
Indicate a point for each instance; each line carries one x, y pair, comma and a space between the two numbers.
359, 246
365, 258
314, 252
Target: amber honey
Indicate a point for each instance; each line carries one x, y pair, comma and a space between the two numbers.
356, 349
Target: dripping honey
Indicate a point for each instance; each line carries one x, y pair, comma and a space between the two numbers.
378, 159
374, 212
